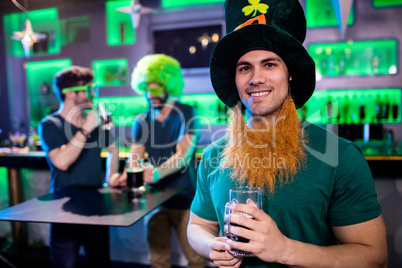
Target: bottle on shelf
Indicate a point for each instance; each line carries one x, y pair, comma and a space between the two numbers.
378, 109
345, 118
329, 110
385, 108
395, 112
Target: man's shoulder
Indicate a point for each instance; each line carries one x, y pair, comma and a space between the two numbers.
317, 134
323, 142
215, 148
52, 119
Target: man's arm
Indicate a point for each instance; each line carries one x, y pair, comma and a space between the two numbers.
64, 156
112, 160
184, 151
203, 236
360, 245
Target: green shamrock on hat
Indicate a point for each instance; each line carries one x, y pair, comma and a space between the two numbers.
255, 6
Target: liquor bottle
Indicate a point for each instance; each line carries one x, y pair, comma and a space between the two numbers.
362, 109
328, 106
395, 111
385, 108
304, 111
219, 117
345, 118
378, 109
354, 109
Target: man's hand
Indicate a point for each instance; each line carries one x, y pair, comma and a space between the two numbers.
117, 180
151, 175
219, 254
262, 231
92, 121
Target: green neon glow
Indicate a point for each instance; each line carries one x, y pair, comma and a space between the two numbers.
43, 21
110, 72
119, 27
373, 57
386, 3
346, 106
3, 188
38, 74
320, 13
210, 109
178, 3
124, 109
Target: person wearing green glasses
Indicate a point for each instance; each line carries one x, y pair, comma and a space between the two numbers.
72, 141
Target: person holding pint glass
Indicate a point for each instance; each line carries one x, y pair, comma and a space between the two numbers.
167, 132
72, 140
319, 206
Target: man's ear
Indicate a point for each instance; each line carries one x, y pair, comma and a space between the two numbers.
290, 78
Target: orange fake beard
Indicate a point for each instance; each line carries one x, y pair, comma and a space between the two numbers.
265, 154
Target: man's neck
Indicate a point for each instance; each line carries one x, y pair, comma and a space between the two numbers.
163, 113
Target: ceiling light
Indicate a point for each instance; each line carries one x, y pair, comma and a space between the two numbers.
27, 35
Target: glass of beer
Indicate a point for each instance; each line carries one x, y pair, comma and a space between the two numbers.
135, 180
240, 195
106, 116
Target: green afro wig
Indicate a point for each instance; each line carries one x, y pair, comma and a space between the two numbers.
158, 68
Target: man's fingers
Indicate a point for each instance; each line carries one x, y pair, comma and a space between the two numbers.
220, 245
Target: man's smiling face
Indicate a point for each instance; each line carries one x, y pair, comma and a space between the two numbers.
268, 90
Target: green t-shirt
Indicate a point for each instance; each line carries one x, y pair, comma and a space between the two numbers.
334, 188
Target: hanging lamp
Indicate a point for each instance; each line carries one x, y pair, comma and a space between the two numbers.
27, 36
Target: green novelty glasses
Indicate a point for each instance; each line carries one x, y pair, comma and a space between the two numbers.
91, 89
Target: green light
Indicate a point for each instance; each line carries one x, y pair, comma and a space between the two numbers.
43, 21
357, 106
372, 57
119, 27
386, 3
110, 72
178, 3
124, 109
210, 109
40, 74
3, 188
320, 13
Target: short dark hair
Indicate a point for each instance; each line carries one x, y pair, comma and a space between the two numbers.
70, 77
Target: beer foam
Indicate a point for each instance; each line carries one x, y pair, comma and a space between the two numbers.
135, 170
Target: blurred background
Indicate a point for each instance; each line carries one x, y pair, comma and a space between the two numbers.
356, 45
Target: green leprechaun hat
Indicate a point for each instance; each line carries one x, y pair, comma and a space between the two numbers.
275, 25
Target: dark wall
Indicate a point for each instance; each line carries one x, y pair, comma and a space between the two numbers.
4, 108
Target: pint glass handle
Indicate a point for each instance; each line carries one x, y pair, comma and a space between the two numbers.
228, 212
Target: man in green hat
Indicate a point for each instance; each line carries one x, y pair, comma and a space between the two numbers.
319, 204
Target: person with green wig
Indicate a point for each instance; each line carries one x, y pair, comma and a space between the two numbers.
167, 133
